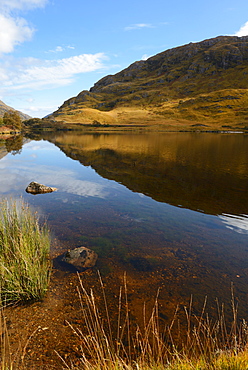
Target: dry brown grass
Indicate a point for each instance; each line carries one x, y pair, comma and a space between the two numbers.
206, 345
219, 110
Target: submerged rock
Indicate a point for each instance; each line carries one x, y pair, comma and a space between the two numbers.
36, 188
80, 257
141, 264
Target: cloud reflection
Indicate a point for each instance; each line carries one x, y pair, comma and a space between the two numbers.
16, 175
236, 223
42, 144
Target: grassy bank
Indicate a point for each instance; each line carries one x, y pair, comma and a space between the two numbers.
24, 253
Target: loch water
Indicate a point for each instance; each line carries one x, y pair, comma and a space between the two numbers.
169, 210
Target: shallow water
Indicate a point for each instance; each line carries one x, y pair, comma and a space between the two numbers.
170, 210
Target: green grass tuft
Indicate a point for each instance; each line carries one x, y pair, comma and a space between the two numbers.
24, 253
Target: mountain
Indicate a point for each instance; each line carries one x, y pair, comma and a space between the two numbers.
5, 108
203, 84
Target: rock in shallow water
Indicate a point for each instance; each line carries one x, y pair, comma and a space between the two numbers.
36, 188
80, 257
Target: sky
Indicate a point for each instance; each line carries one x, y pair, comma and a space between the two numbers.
51, 50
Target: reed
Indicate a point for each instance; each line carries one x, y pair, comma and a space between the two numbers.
206, 345
24, 253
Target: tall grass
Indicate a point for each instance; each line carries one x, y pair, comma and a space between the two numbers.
24, 253
120, 344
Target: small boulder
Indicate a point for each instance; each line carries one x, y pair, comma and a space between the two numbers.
80, 257
36, 188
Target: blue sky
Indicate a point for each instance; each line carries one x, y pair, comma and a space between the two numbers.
50, 50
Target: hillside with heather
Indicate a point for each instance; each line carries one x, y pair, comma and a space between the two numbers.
199, 85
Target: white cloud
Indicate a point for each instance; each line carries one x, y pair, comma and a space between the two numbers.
13, 31
138, 26
31, 109
243, 31
3, 74
36, 74
145, 57
43, 74
9, 5
39, 111
59, 49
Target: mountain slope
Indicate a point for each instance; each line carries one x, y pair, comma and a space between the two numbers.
5, 108
204, 82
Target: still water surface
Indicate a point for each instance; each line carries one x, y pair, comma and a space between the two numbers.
170, 210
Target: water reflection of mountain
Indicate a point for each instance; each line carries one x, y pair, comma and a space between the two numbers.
205, 172
11, 144
3, 150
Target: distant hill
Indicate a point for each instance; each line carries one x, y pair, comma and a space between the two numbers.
5, 108
204, 84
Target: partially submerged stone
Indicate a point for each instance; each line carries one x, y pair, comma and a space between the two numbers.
36, 188
80, 257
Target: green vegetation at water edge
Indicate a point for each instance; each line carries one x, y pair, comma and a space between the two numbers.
24, 253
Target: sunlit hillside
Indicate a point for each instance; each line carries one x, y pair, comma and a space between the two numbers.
201, 85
